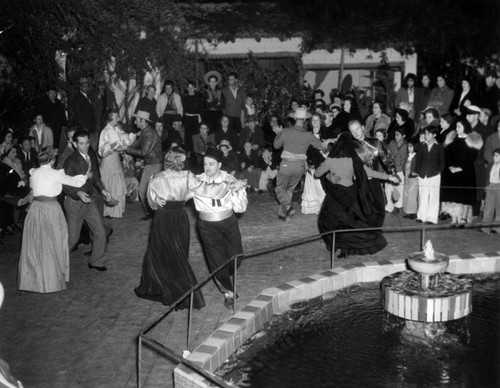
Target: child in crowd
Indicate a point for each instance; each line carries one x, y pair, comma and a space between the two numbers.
410, 192
399, 150
492, 202
380, 134
268, 163
249, 164
131, 180
429, 166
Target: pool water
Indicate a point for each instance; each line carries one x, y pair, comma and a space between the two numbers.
350, 341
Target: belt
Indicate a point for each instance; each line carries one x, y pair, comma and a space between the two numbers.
43, 198
218, 216
191, 114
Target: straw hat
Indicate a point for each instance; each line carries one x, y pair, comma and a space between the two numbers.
141, 114
211, 74
225, 143
300, 114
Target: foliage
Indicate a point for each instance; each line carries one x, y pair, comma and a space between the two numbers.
272, 87
127, 38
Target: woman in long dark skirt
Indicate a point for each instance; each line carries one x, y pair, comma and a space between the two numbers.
350, 202
166, 273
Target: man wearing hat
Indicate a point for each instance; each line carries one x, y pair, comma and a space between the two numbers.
217, 196
148, 147
472, 115
174, 135
295, 142
54, 116
103, 100
491, 93
212, 99
83, 112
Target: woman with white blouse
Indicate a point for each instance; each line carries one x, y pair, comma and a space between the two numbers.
112, 142
44, 260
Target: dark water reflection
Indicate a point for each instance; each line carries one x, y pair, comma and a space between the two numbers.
351, 342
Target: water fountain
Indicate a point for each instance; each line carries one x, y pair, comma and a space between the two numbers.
427, 297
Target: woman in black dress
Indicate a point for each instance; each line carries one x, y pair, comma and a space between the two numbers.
166, 273
350, 202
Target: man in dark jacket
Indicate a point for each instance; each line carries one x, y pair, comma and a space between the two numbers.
148, 147
234, 101
81, 204
83, 112
54, 115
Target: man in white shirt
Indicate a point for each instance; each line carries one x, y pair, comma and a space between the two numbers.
217, 197
42, 134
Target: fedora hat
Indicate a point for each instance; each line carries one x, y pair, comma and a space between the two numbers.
225, 143
142, 114
214, 153
300, 114
210, 74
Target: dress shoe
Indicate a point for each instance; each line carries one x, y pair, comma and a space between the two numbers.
229, 300
429, 223
418, 221
146, 217
75, 248
444, 216
395, 211
97, 268
88, 254
342, 255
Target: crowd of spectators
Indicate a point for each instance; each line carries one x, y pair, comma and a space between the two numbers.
443, 144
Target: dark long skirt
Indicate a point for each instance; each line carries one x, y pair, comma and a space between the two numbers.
341, 210
166, 273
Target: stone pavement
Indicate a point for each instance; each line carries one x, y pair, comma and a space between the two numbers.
86, 336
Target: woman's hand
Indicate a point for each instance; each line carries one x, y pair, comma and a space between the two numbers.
394, 179
160, 201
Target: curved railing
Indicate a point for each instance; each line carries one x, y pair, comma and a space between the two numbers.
144, 340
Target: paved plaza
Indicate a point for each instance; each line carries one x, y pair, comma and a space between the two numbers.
86, 336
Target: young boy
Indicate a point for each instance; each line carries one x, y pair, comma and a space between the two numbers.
492, 201
394, 193
429, 166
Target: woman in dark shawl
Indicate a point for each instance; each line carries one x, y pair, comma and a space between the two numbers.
350, 202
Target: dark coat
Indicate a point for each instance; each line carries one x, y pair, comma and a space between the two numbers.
470, 96
255, 137
76, 165
54, 117
83, 112
429, 163
28, 164
231, 135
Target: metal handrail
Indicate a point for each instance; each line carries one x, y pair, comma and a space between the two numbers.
169, 353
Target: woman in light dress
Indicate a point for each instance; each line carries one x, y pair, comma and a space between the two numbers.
166, 272
112, 142
313, 194
44, 260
